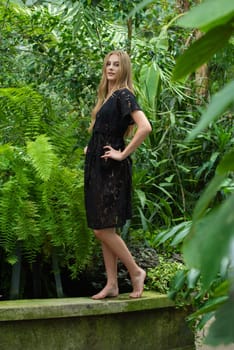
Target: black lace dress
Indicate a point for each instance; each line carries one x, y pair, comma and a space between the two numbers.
108, 182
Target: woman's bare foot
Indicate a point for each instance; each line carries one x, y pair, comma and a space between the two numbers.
138, 284
106, 292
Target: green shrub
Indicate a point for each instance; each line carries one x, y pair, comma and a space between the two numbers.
159, 278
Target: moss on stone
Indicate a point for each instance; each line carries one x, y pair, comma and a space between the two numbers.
71, 307
151, 322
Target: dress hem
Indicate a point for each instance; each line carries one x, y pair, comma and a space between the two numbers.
108, 226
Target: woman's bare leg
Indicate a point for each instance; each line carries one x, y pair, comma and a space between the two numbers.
111, 289
118, 247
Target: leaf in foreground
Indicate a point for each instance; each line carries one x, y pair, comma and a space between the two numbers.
202, 50
209, 241
208, 14
222, 329
218, 105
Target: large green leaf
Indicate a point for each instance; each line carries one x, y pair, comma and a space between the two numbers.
226, 165
162, 40
218, 105
207, 195
221, 330
210, 305
202, 50
209, 14
209, 241
141, 197
150, 82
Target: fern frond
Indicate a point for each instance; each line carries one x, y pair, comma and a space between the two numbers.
42, 205
29, 230
19, 219
6, 159
64, 217
21, 111
42, 156
8, 205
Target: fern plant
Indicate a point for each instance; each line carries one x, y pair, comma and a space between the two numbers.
41, 200
18, 210
61, 205
21, 113
42, 207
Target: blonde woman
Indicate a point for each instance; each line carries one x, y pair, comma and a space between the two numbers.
108, 169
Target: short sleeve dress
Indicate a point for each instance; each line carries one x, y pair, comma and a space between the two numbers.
108, 183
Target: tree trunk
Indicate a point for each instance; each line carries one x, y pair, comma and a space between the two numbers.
202, 73
182, 5
129, 43
201, 78
16, 273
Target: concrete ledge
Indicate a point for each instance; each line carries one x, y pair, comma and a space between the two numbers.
73, 307
151, 322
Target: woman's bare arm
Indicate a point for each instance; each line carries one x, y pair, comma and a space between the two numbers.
143, 129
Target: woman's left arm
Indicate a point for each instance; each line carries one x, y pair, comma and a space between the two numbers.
143, 129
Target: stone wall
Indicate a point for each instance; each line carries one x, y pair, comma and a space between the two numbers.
151, 322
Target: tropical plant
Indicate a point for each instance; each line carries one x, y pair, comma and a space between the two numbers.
57, 48
21, 112
169, 179
49, 52
160, 277
41, 200
208, 281
209, 246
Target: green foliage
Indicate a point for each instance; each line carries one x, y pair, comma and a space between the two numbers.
159, 278
59, 50
201, 16
210, 224
207, 45
174, 176
218, 29
42, 157
206, 281
56, 50
215, 223
42, 208
219, 104
41, 200
21, 112
174, 235
18, 212
221, 330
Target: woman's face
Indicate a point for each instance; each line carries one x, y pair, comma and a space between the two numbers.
112, 68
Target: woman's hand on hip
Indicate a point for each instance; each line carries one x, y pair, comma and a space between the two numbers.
110, 152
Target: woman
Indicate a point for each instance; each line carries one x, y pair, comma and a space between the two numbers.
108, 168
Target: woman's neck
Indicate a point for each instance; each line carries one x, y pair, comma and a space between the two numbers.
111, 87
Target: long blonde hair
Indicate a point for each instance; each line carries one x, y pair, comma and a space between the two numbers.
124, 80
